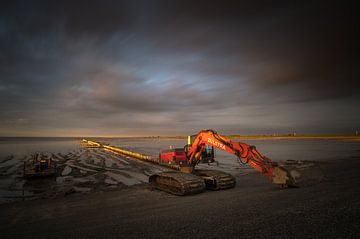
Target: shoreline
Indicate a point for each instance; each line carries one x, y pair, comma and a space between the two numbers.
338, 138
251, 137
264, 137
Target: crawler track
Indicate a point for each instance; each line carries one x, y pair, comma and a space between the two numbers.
216, 180
177, 183
185, 183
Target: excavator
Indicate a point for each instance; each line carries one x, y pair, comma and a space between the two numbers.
189, 180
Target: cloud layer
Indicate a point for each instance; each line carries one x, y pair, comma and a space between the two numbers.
116, 68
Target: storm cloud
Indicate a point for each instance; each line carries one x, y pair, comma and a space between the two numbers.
126, 68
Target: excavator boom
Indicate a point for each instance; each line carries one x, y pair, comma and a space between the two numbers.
246, 154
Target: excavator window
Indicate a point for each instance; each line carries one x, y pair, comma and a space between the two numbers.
208, 155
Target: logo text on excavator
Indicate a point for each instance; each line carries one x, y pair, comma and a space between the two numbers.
218, 144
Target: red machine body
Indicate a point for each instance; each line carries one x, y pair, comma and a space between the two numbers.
173, 156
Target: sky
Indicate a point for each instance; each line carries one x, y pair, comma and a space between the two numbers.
139, 68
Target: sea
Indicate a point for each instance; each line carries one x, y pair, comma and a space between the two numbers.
276, 149
14, 151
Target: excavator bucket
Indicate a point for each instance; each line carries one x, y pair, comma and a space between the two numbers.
282, 177
293, 173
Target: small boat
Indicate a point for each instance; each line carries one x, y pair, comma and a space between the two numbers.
39, 166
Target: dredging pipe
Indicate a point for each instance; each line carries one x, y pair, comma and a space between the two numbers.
119, 151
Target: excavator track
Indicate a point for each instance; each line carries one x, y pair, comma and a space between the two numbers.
216, 180
177, 183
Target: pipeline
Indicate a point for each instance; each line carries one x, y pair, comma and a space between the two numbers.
142, 157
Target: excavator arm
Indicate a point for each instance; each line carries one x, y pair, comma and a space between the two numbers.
246, 154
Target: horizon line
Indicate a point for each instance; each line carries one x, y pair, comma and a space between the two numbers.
177, 136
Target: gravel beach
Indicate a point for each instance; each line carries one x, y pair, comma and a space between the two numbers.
253, 209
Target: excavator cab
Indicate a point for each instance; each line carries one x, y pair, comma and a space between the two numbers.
208, 154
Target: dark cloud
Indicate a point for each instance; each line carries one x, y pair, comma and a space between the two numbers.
161, 67
88, 18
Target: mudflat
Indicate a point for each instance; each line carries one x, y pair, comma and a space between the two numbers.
253, 209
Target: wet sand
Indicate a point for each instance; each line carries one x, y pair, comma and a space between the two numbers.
78, 171
253, 209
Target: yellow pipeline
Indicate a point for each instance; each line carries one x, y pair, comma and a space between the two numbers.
128, 153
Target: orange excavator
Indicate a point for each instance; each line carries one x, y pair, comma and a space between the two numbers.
191, 180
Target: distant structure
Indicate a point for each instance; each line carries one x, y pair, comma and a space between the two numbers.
356, 133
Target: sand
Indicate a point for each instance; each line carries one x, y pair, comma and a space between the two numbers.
253, 209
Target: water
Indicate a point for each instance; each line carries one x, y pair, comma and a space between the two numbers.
274, 149
317, 150
22, 147
277, 150
13, 151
